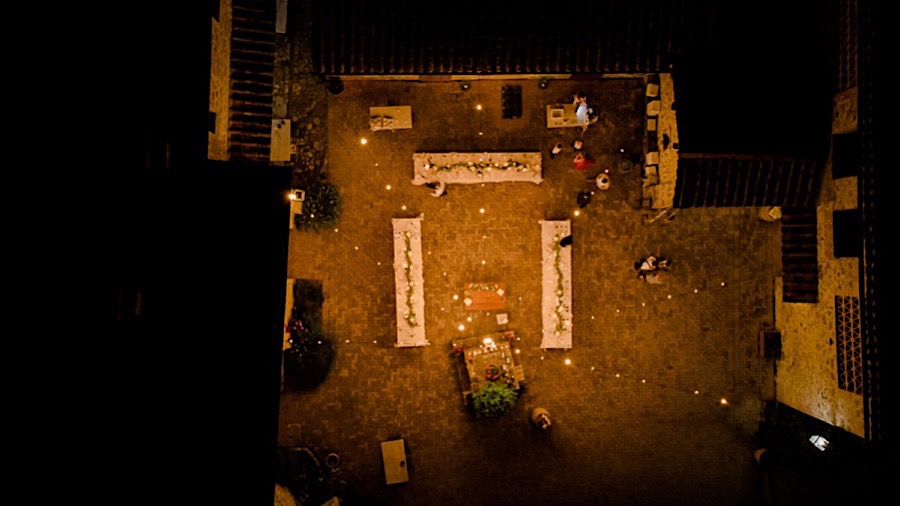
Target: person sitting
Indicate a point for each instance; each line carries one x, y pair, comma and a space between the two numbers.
440, 188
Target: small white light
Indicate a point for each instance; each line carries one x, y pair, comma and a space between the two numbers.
461, 327
480, 133
469, 319
723, 401
695, 290
388, 187
478, 107
696, 392
669, 296
483, 262
481, 210
643, 381
356, 248
363, 141
404, 209
568, 361
723, 283
517, 350
617, 375
455, 297
592, 368
577, 212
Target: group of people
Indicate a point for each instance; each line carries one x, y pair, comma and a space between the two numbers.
584, 116
648, 268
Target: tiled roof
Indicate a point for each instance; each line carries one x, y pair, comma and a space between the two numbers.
359, 37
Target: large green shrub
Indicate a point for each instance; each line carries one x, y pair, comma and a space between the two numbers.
309, 358
493, 399
321, 207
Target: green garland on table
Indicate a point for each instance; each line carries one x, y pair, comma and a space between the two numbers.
560, 327
486, 287
477, 167
410, 315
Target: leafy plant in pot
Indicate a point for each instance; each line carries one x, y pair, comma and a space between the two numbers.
493, 400
321, 208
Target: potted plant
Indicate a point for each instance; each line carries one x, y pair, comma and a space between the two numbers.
321, 207
309, 357
493, 399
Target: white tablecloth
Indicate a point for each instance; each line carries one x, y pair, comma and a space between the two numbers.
556, 285
472, 168
409, 282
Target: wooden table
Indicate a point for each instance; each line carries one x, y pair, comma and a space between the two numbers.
393, 455
475, 354
485, 296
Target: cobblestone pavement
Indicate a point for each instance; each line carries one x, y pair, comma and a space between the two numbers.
629, 427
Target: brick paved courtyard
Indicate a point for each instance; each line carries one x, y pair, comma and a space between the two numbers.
628, 425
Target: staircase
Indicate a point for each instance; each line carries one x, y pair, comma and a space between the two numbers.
799, 252
252, 70
743, 180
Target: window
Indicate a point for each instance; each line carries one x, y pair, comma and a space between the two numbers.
848, 344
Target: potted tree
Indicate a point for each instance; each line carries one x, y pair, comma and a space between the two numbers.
493, 399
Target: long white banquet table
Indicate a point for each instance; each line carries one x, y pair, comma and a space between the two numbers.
473, 168
556, 285
409, 282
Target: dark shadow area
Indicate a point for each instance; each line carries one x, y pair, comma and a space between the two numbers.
759, 82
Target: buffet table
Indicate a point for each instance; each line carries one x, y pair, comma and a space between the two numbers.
472, 168
485, 296
486, 358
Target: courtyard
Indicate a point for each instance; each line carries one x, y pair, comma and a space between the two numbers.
636, 402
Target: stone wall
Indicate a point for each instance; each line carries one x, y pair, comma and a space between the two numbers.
299, 94
807, 371
219, 81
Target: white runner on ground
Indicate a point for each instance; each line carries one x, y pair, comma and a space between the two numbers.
556, 284
409, 282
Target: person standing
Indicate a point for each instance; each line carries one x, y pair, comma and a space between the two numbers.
582, 111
